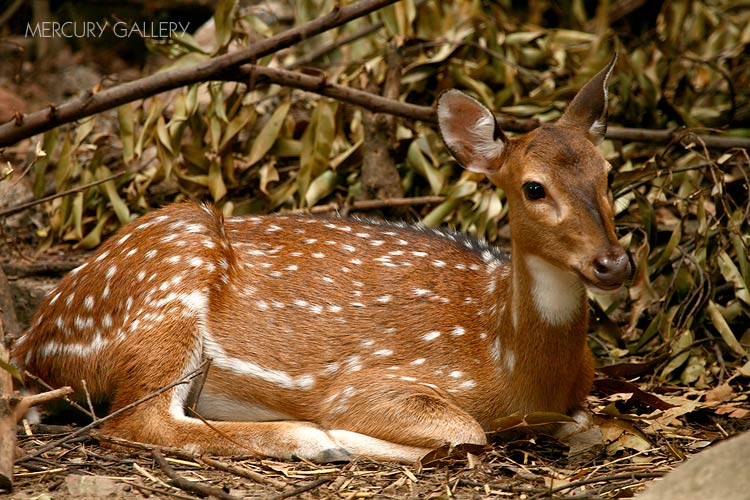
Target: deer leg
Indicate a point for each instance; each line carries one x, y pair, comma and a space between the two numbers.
163, 421
154, 423
407, 415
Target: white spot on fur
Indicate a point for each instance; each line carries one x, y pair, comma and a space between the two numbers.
509, 360
430, 336
101, 256
496, 351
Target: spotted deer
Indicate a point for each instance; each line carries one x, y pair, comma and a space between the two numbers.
331, 338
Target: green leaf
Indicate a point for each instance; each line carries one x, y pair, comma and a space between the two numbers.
86, 125
456, 193
268, 174
154, 113
49, 142
65, 166
76, 215
216, 90
239, 122
215, 127
666, 253
321, 187
732, 275
681, 352
215, 181
317, 143
417, 160
223, 21
163, 134
12, 370
110, 188
268, 134
723, 327
94, 238
126, 120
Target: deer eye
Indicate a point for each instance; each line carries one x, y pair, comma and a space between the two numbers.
533, 191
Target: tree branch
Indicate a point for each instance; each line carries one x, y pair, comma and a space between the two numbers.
373, 102
90, 103
232, 66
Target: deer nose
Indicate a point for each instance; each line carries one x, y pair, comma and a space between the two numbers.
612, 267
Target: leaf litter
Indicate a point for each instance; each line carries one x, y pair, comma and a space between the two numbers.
672, 347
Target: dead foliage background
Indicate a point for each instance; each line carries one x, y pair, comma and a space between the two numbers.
672, 347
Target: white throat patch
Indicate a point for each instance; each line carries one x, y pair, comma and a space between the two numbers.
557, 294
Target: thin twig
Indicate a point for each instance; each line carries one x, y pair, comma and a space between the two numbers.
149, 489
26, 402
83, 187
326, 49
305, 487
246, 473
189, 486
88, 399
606, 479
185, 455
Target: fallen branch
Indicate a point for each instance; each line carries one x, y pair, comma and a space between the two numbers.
305, 487
190, 486
319, 85
23, 206
90, 103
185, 455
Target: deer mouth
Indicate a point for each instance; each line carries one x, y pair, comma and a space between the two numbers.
599, 285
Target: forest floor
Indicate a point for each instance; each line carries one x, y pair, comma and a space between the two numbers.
641, 431
643, 426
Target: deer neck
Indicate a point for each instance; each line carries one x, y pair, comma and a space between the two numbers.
544, 296
548, 310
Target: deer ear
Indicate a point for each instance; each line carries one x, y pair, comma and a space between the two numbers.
588, 110
470, 131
